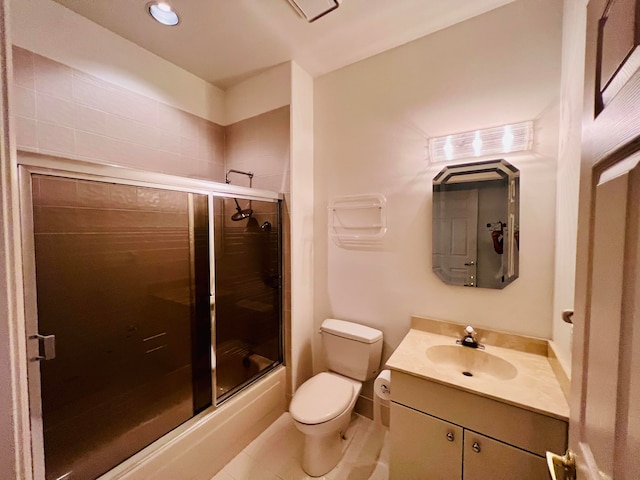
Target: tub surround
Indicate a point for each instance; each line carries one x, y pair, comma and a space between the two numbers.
534, 387
194, 449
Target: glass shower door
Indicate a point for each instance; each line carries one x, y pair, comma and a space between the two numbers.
248, 292
123, 282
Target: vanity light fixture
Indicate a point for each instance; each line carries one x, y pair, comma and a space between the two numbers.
312, 10
163, 12
516, 137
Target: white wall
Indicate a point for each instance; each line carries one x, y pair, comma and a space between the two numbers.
51, 30
572, 89
372, 121
300, 203
261, 93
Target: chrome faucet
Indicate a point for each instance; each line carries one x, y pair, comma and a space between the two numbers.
469, 339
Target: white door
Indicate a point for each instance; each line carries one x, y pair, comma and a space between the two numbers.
604, 430
456, 241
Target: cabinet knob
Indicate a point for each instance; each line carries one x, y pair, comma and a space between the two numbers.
450, 436
476, 447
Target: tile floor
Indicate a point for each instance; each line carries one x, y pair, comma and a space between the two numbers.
277, 454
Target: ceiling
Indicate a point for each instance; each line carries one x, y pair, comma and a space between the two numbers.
226, 41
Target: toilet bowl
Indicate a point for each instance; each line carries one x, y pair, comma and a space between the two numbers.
323, 405
321, 409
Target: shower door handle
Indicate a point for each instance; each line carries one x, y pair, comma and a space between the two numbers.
46, 347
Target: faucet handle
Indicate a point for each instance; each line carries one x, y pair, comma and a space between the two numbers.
469, 330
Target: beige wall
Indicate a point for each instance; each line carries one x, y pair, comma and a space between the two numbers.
372, 122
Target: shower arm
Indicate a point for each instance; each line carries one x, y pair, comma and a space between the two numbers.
248, 174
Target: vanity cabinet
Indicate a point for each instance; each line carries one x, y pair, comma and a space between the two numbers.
423, 446
441, 432
486, 458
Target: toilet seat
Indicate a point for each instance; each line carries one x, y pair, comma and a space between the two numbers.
321, 398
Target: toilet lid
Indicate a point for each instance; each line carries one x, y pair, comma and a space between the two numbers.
320, 399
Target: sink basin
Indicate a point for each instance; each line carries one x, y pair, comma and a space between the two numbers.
470, 362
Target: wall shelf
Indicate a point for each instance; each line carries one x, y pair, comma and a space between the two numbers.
358, 220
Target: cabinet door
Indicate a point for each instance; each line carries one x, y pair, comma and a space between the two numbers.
485, 458
423, 446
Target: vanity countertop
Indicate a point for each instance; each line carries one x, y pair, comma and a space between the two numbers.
534, 387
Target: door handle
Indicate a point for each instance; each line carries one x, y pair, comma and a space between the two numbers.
566, 462
46, 347
470, 263
566, 316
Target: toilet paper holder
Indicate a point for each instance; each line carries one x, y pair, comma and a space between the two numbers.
382, 385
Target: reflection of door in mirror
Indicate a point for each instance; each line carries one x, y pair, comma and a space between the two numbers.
476, 224
455, 245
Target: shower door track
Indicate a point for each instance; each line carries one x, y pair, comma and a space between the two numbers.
59, 166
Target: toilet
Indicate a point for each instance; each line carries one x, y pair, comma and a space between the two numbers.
321, 408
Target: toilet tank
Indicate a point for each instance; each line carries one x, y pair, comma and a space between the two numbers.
351, 349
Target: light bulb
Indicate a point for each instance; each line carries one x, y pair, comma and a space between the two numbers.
477, 144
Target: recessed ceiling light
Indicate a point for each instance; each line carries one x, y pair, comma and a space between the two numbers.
163, 13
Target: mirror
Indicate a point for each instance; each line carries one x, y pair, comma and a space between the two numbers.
476, 233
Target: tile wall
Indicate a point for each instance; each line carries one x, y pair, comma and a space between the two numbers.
260, 144
65, 112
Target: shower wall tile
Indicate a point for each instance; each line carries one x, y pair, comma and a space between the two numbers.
55, 138
53, 77
189, 147
23, 70
24, 101
169, 141
55, 191
211, 170
133, 106
90, 120
93, 194
261, 145
90, 94
123, 196
272, 183
132, 131
92, 146
169, 118
55, 110
26, 133
65, 112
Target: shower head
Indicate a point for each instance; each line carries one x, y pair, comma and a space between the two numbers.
240, 213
